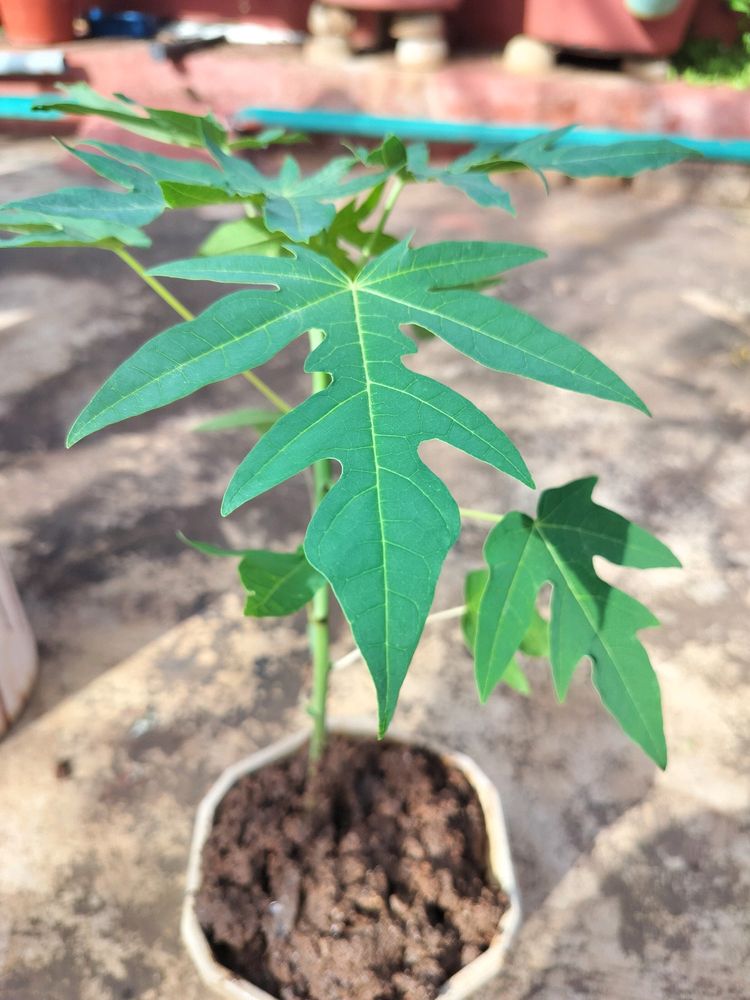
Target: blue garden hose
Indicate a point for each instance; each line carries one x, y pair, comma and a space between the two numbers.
371, 126
21, 108
470, 133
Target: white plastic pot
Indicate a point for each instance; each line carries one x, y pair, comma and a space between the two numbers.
18, 657
460, 986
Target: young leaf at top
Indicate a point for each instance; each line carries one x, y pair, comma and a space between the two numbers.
412, 163
296, 205
268, 137
347, 226
588, 617
459, 174
276, 583
382, 532
242, 236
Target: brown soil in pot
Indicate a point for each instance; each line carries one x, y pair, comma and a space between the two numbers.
378, 891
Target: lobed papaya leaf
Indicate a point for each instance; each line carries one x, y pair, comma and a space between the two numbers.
276, 583
382, 532
88, 216
589, 618
162, 125
513, 675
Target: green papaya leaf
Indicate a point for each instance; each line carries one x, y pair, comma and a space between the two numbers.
620, 159
412, 163
533, 642
162, 168
346, 238
390, 153
589, 618
177, 194
551, 150
173, 127
87, 216
38, 229
269, 137
259, 420
459, 174
184, 183
242, 236
277, 583
559, 150
298, 206
516, 679
382, 532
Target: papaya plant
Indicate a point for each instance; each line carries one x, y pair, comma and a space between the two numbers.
317, 258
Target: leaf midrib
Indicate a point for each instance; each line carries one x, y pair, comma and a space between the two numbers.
376, 464
513, 581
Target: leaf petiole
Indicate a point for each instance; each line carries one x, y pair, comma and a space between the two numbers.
154, 284
265, 390
479, 515
390, 203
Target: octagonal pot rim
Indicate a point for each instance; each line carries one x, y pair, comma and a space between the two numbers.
462, 984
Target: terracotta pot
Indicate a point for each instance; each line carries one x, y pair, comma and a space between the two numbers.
460, 986
38, 22
606, 26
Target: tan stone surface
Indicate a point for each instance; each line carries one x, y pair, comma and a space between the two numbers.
92, 865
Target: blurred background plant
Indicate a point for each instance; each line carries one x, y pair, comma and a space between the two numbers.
705, 60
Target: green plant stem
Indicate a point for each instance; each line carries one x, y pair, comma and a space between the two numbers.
265, 390
182, 310
154, 284
390, 202
317, 613
479, 515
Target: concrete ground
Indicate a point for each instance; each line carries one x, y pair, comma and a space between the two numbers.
635, 883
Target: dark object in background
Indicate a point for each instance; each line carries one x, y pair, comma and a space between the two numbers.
125, 24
